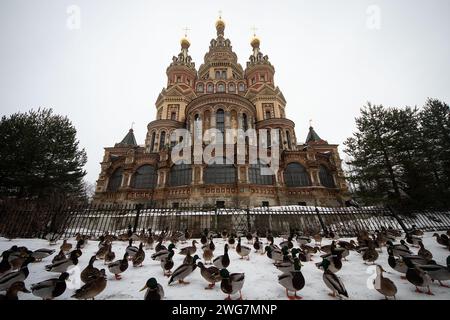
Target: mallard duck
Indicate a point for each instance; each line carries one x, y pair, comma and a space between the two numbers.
438, 272
59, 257
150, 240
13, 290
274, 254
188, 259
317, 239
208, 254
139, 257
210, 274
40, 254
424, 253
92, 289
90, 272
231, 283
416, 232
224, 234
287, 264
302, 240
191, 249
334, 262
211, 244
398, 250
51, 288
412, 239
384, 285
442, 239
102, 251
222, 261
204, 237
187, 235
258, 246
17, 258
332, 281
249, 237
119, 266
243, 251
269, 236
131, 250
288, 243
82, 242
162, 254
154, 290
292, 280
417, 276
63, 265
65, 247
183, 271
110, 255
231, 241
4, 264
167, 264
8, 279
370, 255
126, 236
397, 263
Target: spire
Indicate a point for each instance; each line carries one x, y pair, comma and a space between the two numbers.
220, 25
313, 137
183, 57
257, 56
128, 141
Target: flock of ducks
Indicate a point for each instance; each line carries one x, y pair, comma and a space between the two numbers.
419, 269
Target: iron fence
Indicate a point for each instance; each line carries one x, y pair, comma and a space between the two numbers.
31, 220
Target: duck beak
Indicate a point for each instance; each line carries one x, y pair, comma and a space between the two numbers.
143, 288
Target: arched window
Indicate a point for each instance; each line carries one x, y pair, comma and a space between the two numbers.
200, 87
152, 143
180, 175
220, 87
269, 139
210, 88
220, 120
115, 181
295, 175
326, 178
244, 122
144, 177
220, 173
241, 87
197, 126
288, 138
255, 176
231, 87
162, 140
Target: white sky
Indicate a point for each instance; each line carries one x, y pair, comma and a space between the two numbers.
328, 63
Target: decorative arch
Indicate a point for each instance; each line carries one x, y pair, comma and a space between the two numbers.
221, 87
115, 180
295, 175
325, 177
210, 87
162, 139
200, 87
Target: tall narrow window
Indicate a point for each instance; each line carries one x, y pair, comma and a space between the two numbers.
267, 114
115, 181
218, 74
220, 120
144, 177
269, 139
326, 178
288, 138
173, 116
244, 122
180, 175
152, 143
241, 87
231, 87
220, 87
200, 87
197, 126
162, 140
210, 88
256, 176
295, 175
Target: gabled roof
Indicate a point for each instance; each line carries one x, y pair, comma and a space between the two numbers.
313, 136
128, 141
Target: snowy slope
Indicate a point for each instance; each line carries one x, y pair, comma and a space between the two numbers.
260, 275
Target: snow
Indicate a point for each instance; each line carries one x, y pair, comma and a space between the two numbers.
261, 282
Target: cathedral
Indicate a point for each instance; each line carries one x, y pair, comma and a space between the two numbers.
221, 95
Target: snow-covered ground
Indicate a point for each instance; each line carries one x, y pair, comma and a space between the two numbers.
261, 282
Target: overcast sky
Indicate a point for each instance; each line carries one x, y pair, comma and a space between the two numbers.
330, 57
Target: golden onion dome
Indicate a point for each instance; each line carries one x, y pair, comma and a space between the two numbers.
255, 42
185, 43
220, 23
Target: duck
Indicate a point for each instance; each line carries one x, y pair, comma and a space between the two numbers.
243, 251
212, 246
126, 236
187, 235
60, 256
110, 255
231, 241
416, 232
438, 272
40, 254
167, 264
317, 239
418, 277
51, 288
302, 240
371, 254
335, 262
384, 285
191, 249
258, 246
154, 291
131, 250
93, 288
413, 239
224, 234
424, 253
162, 254
150, 240
287, 264
223, 261
210, 274
231, 283
188, 259
17, 258
20, 275
397, 263
90, 272
63, 265
332, 281
5, 266
204, 237
102, 251
13, 290
249, 237
82, 242
398, 250
139, 257
293, 280
274, 253
442, 239
269, 236
119, 266
65, 247
287, 243
183, 271
208, 254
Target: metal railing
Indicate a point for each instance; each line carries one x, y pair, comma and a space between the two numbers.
32, 220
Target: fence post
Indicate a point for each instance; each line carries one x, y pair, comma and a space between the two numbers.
400, 220
138, 209
324, 227
248, 220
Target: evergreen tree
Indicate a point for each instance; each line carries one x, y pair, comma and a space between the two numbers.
39, 156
